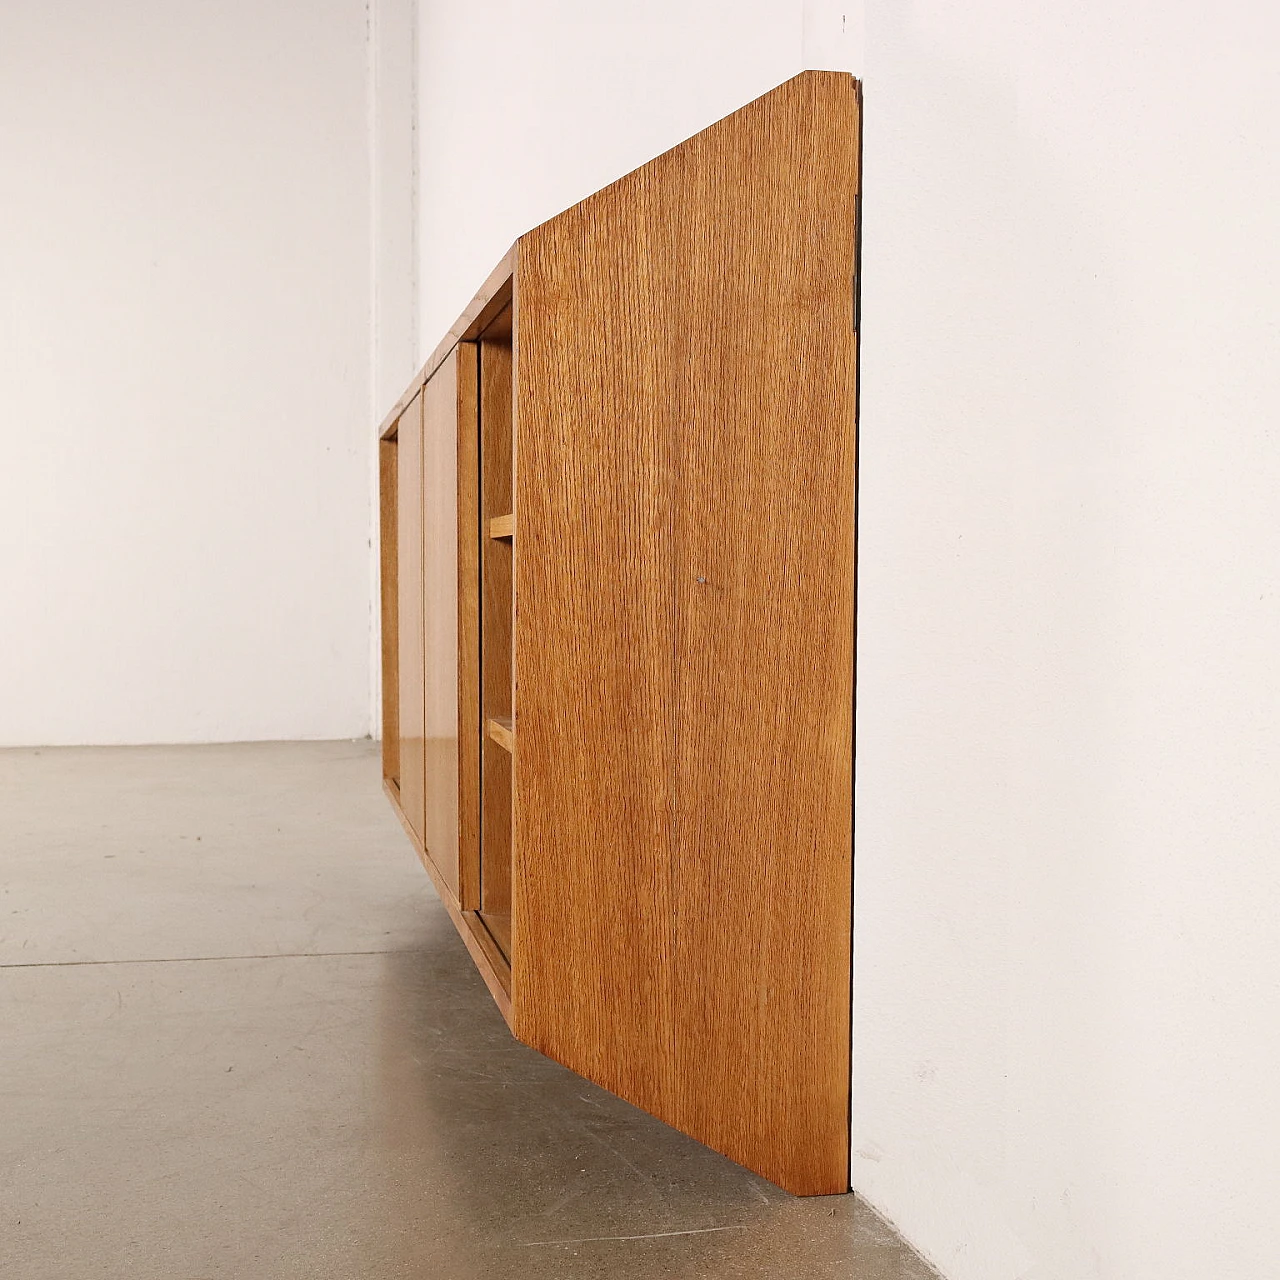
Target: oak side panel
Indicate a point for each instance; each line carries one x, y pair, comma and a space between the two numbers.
390, 637
495, 352
469, 719
764, 647
412, 697
684, 638
440, 617
596, 336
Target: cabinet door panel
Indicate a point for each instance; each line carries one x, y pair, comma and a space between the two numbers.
440, 617
495, 351
470, 721
389, 533
409, 573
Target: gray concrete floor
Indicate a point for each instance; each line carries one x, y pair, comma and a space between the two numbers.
239, 1038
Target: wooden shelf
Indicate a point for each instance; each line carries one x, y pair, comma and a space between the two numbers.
503, 731
502, 527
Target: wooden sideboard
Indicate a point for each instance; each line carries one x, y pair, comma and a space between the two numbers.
618, 584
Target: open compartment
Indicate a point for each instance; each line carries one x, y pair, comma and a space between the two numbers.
497, 552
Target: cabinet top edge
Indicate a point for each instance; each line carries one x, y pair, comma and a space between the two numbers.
495, 292
815, 82
490, 298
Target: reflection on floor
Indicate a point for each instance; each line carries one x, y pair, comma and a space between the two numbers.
240, 1039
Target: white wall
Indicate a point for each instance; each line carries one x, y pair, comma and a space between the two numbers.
393, 123
1068, 902
185, 400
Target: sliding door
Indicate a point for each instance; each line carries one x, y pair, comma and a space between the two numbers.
412, 706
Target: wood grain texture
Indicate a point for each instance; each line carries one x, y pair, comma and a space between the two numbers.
764, 636
495, 355
440, 542
411, 665
390, 631
593, 986
469, 741
502, 527
685, 348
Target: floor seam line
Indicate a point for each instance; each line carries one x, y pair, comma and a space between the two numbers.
271, 955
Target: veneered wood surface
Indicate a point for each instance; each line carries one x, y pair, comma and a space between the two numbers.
390, 633
495, 352
411, 665
469, 719
684, 645
597, 338
764, 637
440, 616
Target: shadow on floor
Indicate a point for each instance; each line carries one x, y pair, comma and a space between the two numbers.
264, 1053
